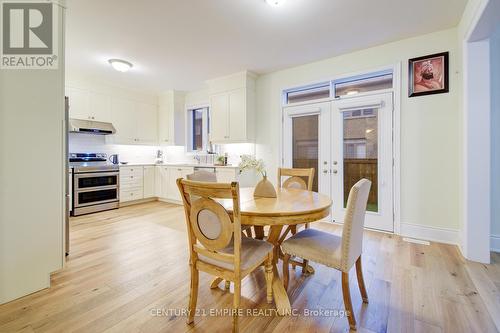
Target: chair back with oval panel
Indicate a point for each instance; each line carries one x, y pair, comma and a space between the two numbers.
296, 178
210, 227
216, 245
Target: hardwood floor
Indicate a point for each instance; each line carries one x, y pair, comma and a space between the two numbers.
487, 280
127, 266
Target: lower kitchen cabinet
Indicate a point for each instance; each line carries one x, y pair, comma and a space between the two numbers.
149, 181
160, 181
226, 175
131, 183
175, 173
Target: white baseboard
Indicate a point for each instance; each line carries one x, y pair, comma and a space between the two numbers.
495, 243
441, 235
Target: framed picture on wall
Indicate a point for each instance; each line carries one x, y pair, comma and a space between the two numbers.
428, 75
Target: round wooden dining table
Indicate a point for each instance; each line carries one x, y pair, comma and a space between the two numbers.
291, 207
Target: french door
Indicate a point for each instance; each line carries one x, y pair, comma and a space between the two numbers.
345, 140
304, 128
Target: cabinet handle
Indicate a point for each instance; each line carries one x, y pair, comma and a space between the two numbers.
131, 176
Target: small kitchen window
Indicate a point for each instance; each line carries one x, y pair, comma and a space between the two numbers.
198, 129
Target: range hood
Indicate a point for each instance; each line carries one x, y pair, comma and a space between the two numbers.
91, 127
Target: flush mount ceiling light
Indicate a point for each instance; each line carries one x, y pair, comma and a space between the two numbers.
275, 3
120, 65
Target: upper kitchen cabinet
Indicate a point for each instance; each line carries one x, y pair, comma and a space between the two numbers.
135, 122
89, 105
171, 118
147, 123
232, 108
100, 106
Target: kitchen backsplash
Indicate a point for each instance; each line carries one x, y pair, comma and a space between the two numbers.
80, 143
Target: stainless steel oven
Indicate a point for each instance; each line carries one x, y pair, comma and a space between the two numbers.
96, 186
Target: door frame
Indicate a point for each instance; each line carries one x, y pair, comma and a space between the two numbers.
396, 128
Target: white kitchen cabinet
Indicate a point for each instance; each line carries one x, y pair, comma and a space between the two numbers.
226, 175
163, 180
131, 183
149, 181
124, 120
171, 118
135, 123
89, 105
158, 181
147, 123
232, 108
219, 117
175, 173
78, 103
100, 107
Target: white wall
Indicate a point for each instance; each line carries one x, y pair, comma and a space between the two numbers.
430, 132
31, 177
495, 138
197, 98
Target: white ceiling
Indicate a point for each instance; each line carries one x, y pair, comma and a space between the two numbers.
178, 44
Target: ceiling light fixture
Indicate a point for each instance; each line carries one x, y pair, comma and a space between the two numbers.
275, 3
120, 65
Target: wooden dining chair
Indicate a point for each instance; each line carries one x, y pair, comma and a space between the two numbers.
333, 251
216, 245
295, 179
203, 176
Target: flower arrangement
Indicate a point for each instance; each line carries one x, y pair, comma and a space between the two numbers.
249, 162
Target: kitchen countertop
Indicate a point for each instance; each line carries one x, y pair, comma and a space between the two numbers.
180, 165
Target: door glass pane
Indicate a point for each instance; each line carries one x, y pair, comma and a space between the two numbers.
361, 152
306, 145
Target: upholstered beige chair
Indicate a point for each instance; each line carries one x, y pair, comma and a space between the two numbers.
216, 245
333, 251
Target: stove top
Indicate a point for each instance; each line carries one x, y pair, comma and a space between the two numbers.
91, 162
